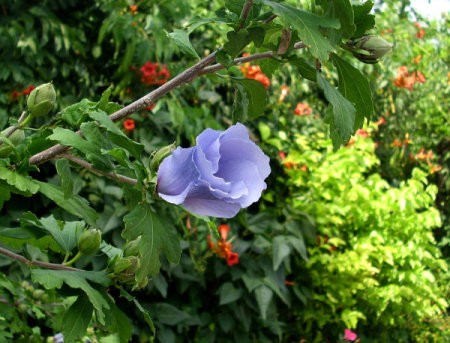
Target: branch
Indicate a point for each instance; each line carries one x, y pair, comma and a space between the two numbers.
135, 106
30, 263
200, 68
91, 168
245, 12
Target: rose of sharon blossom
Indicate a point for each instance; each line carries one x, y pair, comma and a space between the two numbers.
223, 173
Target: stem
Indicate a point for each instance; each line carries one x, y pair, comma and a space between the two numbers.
74, 259
88, 166
30, 263
245, 12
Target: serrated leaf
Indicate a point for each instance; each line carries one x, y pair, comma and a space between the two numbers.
342, 120
155, 238
181, 39
71, 139
263, 296
228, 293
103, 119
356, 88
308, 26
251, 100
364, 21
21, 182
76, 113
76, 319
63, 169
51, 279
75, 204
280, 250
343, 11
64, 233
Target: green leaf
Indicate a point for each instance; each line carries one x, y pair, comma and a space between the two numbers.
228, 293
76, 113
118, 322
155, 238
181, 39
355, 87
51, 279
364, 21
21, 182
299, 245
91, 150
343, 11
142, 310
280, 250
169, 314
342, 120
75, 204
63, 169
77, 318
263, 296
306, 70
5, 194
65, 233
308, 26
251, 99
238, 40
103, 119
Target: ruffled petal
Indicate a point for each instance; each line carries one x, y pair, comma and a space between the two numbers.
177, 175
208, 143
211, 207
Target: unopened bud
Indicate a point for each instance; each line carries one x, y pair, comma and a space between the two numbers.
159, 155
41, 100
369, 49
89, 241
132, 248
16, 138
125, 268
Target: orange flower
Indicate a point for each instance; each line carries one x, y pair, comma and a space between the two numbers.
223, 248
421, 155
435, 169
254, 72
362, 133
28, 90
302, 109
133, 9
397, 143
416, 60
150, 107
282, 155
419, 77
420, 34
380, 121
154, 74
129, 125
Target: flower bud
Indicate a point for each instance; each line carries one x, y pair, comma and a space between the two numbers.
16, 138
125, 268
41, 100
89, 241
132, 248
369, 49
159, 155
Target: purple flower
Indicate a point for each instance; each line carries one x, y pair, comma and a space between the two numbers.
223, 173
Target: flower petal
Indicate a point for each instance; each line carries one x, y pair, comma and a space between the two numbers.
211, 207
177, 175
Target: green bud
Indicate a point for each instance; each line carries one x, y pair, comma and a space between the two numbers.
132, 248
125, 268
89, 241
16, 138
41, 100
159, 155
369, 49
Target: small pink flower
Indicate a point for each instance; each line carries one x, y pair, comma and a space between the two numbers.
349, 335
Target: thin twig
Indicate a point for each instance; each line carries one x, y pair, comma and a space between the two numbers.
245, 12
135, 106
91, 168
29, 263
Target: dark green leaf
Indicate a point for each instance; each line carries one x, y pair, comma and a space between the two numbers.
306, 70
77, 318
118, 322
142, 310
156, 238
228, 293
251, 99
364, 21
308, 26
169, 314
51, 279
341, 10
65, 233
343, 119
76, 113
63, 169
21, 182
75, 204
181, 39
5, 194
263, 296
355, 87
280, 250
